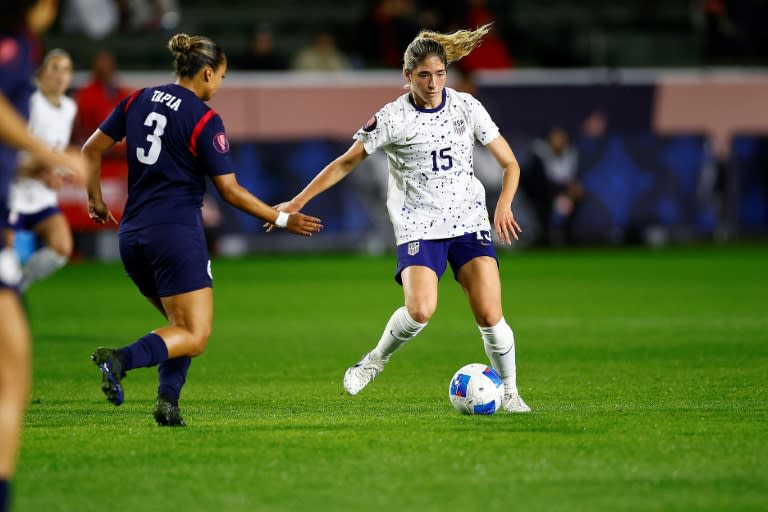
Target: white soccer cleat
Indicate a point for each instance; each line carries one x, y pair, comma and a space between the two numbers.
513, 403
358, 376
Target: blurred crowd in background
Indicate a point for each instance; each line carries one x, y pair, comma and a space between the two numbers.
594, 169
346, 34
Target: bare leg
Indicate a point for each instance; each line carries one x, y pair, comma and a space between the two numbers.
15, 376
55, 232
480, 279
190, 318
420, 291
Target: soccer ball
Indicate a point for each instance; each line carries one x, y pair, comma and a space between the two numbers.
476, 389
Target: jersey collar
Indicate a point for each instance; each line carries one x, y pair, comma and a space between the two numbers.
428, 110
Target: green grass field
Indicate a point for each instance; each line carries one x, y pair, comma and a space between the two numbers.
647, 373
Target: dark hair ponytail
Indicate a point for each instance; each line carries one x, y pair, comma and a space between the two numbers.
192, 53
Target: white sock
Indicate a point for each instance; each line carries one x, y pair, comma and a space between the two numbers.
499, 343
400, 329
41, 264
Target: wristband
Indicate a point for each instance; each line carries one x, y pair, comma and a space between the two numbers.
282, 220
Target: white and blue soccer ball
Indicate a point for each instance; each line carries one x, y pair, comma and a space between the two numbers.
476, 389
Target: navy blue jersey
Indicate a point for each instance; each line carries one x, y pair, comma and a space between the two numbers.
173, 141
18, 55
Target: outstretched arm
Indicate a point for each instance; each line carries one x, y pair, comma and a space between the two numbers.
331, 174
503, 220
234, 193
14, 132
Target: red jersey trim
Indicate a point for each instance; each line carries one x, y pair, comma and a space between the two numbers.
131, 98
198, 128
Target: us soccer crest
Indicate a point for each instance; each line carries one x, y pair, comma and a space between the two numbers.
413, 248
459, 126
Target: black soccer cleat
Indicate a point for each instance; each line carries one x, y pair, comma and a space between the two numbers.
111, 373
167, 414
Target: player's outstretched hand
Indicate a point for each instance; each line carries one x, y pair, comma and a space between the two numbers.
99, 212
287, 207
301, 224
282, 207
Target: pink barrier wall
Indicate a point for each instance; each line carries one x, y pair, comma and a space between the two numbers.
297, 105
272, 106
717, 106
269, 113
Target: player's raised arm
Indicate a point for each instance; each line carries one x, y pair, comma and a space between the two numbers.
13, 131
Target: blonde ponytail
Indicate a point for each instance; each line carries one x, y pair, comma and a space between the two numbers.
447, 47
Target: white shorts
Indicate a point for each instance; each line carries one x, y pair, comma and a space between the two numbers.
29, 196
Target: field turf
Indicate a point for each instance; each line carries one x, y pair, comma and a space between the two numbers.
647, 373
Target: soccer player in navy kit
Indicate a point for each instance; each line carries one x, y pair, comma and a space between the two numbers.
20, 24
174, 140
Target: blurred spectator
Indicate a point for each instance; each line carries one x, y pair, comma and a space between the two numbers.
594, 125
385, 32
321, 55
493, 53
149, 15
98, 97
94, 18
732, 30
550, 180
442, 15
261, 54
95, 101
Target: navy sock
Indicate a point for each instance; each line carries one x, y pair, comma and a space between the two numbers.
172, 374
147, 351
5, 492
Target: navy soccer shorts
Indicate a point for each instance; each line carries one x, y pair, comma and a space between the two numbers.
28, 222
166, 259
436, 254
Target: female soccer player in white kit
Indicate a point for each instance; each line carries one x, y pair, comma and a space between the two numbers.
436, 204
34, 201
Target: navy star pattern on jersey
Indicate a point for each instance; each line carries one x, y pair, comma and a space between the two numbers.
433, 192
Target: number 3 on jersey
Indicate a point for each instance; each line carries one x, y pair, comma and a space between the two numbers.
151, 155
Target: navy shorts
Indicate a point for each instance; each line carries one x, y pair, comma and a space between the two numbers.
436, 254
27, 222
166, 259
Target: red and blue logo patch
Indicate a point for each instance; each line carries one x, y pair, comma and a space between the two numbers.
370, 125
220, 142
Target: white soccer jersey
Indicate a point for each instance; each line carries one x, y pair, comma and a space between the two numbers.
433, 192
53, 125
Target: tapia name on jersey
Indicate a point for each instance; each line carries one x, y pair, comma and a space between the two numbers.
170, 100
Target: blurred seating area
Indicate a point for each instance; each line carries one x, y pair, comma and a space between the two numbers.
674, 154
536, 33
